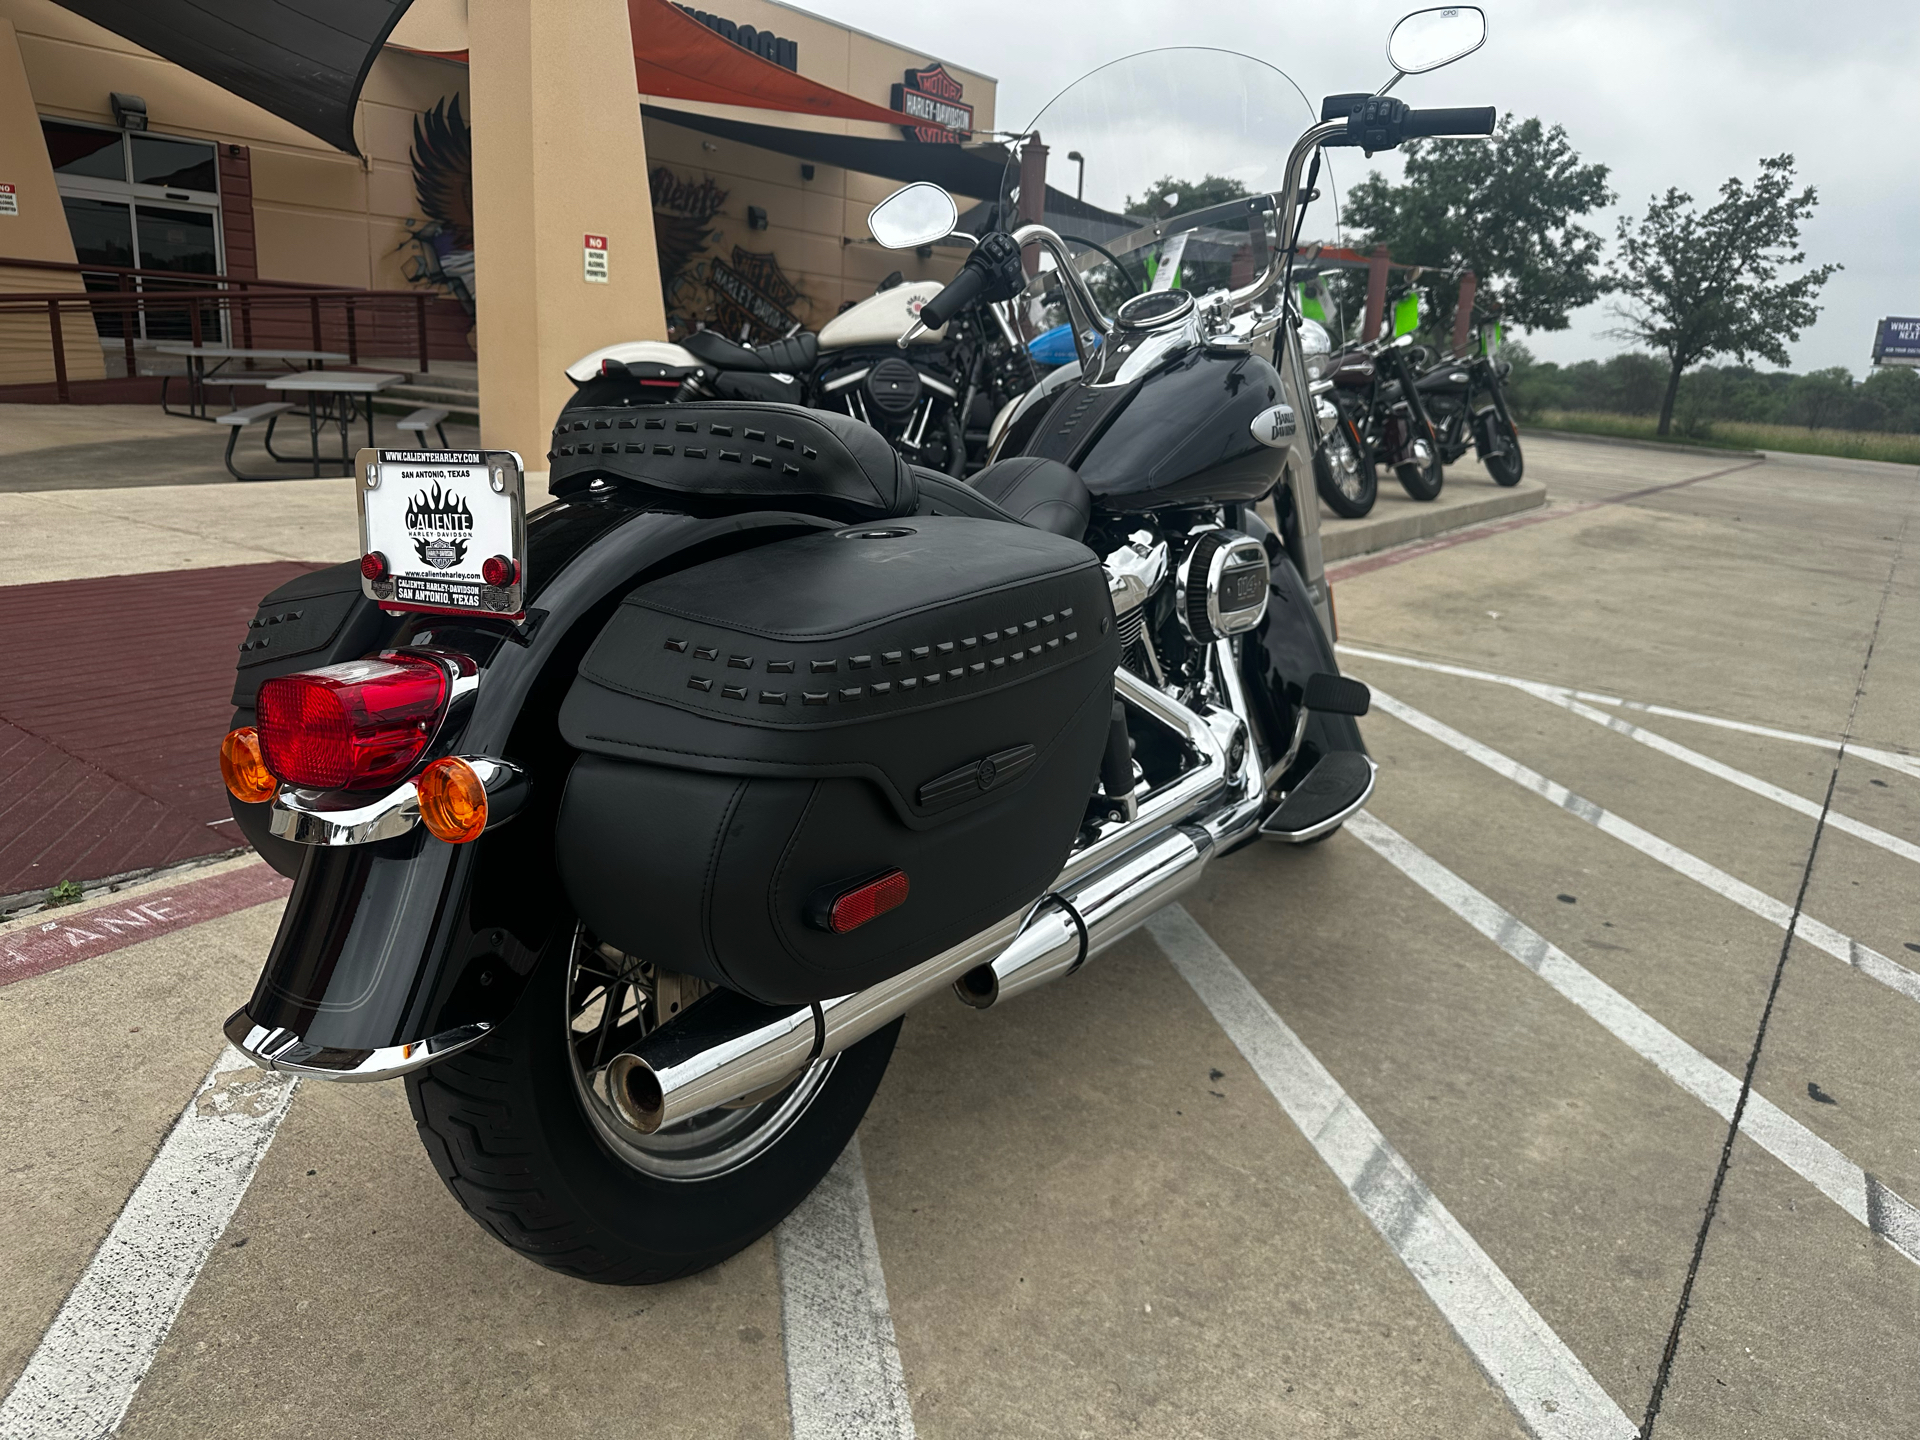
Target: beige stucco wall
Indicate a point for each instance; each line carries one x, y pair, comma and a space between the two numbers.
37, 232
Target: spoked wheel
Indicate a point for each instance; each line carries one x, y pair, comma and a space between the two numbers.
1345, 475
1505, 463
1423, 476
524, 1134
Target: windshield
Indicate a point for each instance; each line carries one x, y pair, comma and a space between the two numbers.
1132, 157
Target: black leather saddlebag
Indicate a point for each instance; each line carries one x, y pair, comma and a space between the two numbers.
766, 731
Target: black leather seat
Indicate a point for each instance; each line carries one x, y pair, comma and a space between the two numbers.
1042, 493
792, 356
1023, 489
736, 456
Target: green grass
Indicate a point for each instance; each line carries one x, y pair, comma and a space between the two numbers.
1737, 435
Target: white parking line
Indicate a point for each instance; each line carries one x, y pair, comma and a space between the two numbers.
1893, 760
1859, 1194
1541, 1378
1848, 951
82, 1377
843, 1368
1564, 698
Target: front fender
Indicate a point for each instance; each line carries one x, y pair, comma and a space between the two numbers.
386, 948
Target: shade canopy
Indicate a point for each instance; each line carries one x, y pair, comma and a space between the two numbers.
970, 170
303, 60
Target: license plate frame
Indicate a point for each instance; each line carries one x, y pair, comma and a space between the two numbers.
435, 517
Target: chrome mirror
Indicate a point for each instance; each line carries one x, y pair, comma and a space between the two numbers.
1428, 39
917, 214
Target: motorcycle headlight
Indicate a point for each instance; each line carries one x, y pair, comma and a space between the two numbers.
1315, 347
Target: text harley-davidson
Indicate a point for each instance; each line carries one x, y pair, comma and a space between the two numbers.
628, 831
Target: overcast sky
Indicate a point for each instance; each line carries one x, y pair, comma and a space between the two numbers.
1685, 92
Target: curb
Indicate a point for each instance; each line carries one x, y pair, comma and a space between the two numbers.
1684, 446
1383, 532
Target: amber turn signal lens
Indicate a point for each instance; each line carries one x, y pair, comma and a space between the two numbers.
453, 802
244, 769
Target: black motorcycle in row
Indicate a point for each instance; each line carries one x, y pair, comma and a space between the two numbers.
934, 401
1375, 388
628, 832
1451, 393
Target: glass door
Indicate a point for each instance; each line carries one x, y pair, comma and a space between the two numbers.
137, 199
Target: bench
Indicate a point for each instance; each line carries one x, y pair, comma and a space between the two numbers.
238, 420
424, 419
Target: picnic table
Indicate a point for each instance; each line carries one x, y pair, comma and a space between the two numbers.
342, 392
199, 376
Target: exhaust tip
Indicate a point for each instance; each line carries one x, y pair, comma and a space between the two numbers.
636, 1092
979, 987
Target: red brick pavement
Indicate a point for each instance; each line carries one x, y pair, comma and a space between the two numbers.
113, 699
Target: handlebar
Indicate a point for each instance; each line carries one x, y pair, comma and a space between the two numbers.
961, 291
1379, 122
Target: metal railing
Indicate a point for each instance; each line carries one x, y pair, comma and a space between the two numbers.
223, 303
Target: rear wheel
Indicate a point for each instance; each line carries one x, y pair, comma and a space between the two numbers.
1345, 475
522, 1133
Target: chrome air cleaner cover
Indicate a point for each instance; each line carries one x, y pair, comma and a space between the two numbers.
1222, 585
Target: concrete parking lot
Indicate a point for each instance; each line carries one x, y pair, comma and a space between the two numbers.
1569, 1091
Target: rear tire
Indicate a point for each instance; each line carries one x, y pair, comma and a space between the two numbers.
1422, 482
508, 1129
1345, 475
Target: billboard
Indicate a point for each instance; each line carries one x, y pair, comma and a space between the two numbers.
1896, 341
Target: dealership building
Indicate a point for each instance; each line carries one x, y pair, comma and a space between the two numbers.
113, 156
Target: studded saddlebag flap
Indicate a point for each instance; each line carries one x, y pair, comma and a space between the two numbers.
766, 731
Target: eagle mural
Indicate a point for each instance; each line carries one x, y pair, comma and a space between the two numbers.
442, 156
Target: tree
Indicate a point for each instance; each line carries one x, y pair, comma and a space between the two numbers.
1701, 283
1503, 208
1186, 196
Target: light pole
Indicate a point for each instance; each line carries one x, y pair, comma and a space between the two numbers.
1080, 179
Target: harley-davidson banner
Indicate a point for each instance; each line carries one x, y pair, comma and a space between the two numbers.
431, 520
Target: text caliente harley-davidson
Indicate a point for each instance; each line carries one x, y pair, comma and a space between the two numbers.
627, 832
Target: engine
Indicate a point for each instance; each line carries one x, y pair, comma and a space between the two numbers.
1181, 581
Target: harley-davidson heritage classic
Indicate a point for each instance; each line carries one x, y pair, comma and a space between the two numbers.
628, 831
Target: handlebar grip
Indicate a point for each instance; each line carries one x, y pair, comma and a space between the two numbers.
1460, 120
961, 291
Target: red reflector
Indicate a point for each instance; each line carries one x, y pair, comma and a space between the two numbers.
350, 726
497, 570
373, 565
864, 902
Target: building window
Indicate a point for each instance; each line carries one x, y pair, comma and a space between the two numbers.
141, 200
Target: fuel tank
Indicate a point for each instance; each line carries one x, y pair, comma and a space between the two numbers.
883, 318
1177, 435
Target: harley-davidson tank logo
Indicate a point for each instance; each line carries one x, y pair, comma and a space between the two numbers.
440, 526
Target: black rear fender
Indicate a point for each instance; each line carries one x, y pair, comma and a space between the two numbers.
391, 943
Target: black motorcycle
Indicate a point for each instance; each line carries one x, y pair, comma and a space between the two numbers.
629, 831
934, 401
1375, 386
1450, 393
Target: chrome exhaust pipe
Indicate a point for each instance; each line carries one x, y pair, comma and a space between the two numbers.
1071, 925
724, 1047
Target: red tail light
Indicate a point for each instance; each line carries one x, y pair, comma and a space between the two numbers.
351, 726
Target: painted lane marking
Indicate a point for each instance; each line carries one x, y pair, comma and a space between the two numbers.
1544, 1382
1882, 1211
1564, 698
844, 1380
43, 941
94, 1355
1848, 951
1892, 759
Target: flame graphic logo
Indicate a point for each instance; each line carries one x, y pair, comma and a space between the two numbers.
440, 526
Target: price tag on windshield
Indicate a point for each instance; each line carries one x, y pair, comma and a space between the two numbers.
443, 532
